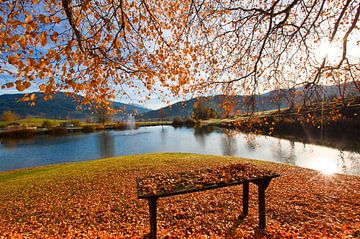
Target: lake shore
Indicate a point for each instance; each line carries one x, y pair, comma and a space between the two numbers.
98, 198
29, 131
334, 136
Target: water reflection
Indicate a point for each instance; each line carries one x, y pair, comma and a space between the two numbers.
251, 143
229, 145
13, 143
285, 153
106, 144
163, 133
45, 149
201, 134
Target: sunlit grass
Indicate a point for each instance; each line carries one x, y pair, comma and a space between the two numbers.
81, 169
102, 193
34, 122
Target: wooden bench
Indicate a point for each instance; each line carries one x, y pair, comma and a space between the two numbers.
157, 186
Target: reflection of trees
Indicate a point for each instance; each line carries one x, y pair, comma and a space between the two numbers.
229, 144
13, 143
350, 163
9, 143
106, 144
163, 133
201, 133
286, 155
341, 161
251, 143
354, 164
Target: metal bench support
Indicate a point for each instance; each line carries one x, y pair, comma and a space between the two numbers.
262, 186
152, 209
245, 198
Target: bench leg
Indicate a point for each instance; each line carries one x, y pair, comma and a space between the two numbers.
245, 198
262, 186
152, 208
262, 215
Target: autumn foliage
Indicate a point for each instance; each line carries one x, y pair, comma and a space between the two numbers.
98, 199
123, 48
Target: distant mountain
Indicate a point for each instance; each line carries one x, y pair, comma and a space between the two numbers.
268, 101
60, 107
185, 108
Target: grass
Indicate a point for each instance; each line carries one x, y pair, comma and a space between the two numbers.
34, 122
78, 169
98, 199
153, 123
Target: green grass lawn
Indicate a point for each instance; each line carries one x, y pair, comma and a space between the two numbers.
34, 122
98, 199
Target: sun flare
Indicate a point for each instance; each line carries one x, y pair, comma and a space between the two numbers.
330, 50
325, 166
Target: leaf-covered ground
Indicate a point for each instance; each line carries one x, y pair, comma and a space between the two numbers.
98, 199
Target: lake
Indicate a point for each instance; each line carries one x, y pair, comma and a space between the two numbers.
46, 149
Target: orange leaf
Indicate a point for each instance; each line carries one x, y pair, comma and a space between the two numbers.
12, 60
28, 18
54, 36
43, 38
33, 97
10, 41
57, 19
9, 84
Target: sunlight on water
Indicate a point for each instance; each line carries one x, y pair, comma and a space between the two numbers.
324, 166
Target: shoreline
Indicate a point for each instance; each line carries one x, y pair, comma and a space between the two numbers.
24, 131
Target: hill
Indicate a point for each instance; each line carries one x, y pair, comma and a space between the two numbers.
60, 107
185, 108
268, 101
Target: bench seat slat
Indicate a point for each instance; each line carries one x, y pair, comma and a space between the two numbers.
197, 187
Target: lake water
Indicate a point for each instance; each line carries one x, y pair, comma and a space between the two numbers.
45, 149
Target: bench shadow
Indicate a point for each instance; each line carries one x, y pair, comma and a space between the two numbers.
259, 233
240, 219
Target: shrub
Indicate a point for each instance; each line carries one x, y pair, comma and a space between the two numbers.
9, 116
190, 122
203, 112
120, 126
47, 124
57, 131
88, 128
76, 123
177, 121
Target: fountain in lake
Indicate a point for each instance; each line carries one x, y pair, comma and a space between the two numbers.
130, 122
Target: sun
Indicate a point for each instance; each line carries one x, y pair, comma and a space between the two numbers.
332, 51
